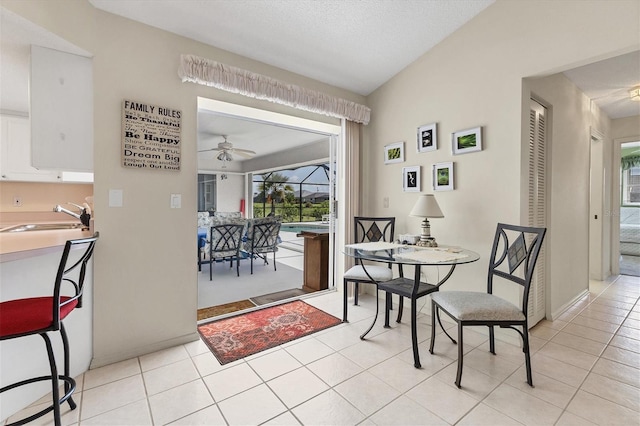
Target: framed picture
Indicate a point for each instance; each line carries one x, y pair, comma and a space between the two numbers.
443, 177
411, 179
394, 153
465, 141
427, 138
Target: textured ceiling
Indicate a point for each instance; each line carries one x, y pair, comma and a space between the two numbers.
352, 44
607, 84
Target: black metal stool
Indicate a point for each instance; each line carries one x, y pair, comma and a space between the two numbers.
39, 315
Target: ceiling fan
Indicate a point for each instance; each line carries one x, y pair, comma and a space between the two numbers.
226, 150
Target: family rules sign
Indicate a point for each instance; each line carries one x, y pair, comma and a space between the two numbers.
150, 136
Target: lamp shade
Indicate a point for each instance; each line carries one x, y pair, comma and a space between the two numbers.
426, 206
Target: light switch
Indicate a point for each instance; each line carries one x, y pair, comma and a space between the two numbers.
176, 201
115, 198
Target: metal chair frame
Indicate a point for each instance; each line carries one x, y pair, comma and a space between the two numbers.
519, 251
69, 273
368, 229
264, 239
226, 238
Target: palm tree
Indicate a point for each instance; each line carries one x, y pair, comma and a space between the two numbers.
276, 188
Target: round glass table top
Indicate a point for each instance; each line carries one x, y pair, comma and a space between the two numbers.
410, 254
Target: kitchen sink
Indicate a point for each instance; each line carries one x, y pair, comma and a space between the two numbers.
43, 227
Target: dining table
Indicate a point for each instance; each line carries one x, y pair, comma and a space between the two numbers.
409, 255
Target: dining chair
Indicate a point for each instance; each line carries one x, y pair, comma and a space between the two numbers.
263, 238
366, 230
40, 315
226, 241
513, 258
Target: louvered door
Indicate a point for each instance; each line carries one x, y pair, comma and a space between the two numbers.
537, 205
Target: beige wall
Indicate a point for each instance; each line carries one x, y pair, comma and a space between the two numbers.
626, 128
41, 197
145, 274
474, 78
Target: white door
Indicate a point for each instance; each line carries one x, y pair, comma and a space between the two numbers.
537, 201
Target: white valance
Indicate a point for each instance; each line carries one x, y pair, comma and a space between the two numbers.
236, 80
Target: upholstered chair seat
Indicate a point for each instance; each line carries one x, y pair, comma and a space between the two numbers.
378, 273
476, 306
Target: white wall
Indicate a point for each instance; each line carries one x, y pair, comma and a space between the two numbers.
145, 274
626, 128
474, 78
229, 192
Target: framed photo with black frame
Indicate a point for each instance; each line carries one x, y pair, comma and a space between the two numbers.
411, 179
427, 138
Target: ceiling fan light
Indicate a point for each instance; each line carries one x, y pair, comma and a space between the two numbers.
634, 94
224, 156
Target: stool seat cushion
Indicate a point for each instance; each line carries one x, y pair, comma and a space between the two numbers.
378, 273
23, 316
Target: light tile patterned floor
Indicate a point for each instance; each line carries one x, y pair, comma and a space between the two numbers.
586, 370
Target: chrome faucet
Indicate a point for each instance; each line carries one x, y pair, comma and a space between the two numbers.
83, 217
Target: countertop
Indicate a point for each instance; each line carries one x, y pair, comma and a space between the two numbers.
21, 245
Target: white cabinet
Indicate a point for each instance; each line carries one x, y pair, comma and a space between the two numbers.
61, 110
15, 153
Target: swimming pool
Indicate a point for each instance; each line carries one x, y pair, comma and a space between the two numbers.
299, 227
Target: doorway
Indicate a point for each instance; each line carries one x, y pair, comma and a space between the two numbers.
280, 142
630, 208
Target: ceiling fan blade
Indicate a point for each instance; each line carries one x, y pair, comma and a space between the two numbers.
210, 149
243, 153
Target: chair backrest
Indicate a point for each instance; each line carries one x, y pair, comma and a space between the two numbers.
72, 269
264, 235
514, 255
373, 229
226, 237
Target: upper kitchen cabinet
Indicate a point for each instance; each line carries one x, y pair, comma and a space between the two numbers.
61, 110
46, 104
15, 152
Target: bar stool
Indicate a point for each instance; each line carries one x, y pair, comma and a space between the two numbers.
39, 315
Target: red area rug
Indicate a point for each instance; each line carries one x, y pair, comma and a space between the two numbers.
237, 337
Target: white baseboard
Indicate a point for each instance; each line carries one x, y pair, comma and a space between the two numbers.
563, 308
142, 350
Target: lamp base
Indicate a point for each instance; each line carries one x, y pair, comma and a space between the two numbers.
428, 242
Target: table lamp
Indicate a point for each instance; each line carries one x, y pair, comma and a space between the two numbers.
426, 206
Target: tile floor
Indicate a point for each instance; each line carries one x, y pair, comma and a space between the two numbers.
586, 370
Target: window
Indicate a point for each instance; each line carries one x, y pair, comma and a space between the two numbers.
297, 195
631, 186
206, 192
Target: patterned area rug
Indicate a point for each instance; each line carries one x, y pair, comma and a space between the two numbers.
214, 311
237, 337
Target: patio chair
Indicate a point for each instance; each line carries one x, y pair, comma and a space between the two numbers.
226, 241
262, 238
